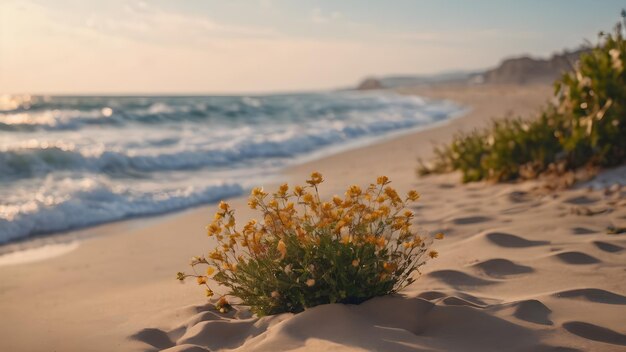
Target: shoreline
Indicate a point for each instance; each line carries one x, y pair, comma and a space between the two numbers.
42, 238
77, 235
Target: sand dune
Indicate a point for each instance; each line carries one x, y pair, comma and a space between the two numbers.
521, 269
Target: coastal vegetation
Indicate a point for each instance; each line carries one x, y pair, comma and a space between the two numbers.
305, 251
584, 128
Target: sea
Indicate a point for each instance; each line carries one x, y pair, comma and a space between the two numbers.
68, 162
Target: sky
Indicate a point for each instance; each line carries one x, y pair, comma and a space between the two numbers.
262, 46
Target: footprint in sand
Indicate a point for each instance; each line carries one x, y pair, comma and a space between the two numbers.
580, 200
547, 348
593, 295
154, 337
456, 301
608, 247
576, 258
470, 220
431, 295
462, 299
595, 332
188, 348
533, 311
500, 268
456, 278
583, 231
518, 197
511, 241
446, 185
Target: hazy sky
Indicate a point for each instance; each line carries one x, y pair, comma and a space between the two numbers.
229, 46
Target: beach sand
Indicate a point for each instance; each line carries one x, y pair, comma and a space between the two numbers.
521, 269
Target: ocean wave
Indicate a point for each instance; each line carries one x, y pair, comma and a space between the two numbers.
75, 113
287, 143
94, 201
68, 162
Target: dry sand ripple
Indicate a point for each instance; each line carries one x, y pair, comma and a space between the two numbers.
530, 284
521, 269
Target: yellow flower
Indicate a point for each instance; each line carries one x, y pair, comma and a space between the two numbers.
308, 198
380, 242
249, 227
354, 191
282, 248
340, 224
210, 270
413, 195
213, 229
215, 255
382, 180
258, 192
316, 178
310, 282
201, 280
433, 254
298, 191
337, 200
224, 206
282, 190
253, 203
439, 236
231, 267
392, 194
390, 266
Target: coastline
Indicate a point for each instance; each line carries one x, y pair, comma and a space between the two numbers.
75, 235
119, 279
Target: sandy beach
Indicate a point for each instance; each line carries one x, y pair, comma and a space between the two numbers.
521, 269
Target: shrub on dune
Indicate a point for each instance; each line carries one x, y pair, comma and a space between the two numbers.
306, 251
586, 128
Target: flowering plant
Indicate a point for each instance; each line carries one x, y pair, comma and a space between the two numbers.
585, 129
305, 251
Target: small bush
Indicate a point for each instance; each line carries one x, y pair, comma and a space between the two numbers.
306, 251
586, 128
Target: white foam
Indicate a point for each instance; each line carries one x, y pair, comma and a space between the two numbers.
75, 203
65, 165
